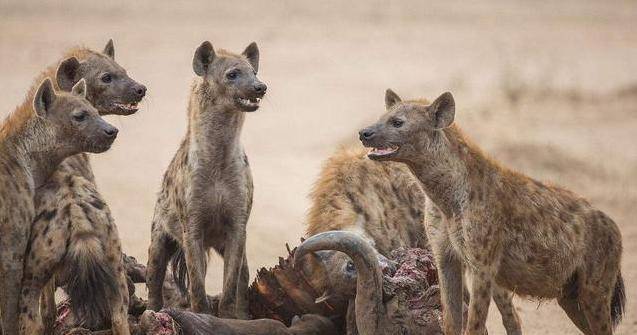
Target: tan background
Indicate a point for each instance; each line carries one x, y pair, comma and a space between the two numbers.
547, 87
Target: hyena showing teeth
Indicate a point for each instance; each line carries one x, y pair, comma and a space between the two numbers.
206, 194
74, 239
34, 140
505, 228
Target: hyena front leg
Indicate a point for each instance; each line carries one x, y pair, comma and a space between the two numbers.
48, 248
481, 289
48, 307
118, 301
233, 302
196, 264
11, 271
450, 271
159, 252
510, 319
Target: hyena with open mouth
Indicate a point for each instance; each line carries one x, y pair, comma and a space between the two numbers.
74, 240
206, 195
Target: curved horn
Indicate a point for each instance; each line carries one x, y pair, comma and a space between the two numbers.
369, 285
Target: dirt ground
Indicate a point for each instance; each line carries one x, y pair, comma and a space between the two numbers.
547, 87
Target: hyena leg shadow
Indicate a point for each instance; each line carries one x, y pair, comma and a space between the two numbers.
48, 247
162, 247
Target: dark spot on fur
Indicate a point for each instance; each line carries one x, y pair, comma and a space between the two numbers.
99, 204
46, 215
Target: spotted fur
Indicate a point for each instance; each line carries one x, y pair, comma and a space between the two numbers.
530, 237
206, 195
34, 140
74, 237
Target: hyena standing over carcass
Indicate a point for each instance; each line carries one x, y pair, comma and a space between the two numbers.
206, 195
34, 139
507, 229
74, 240
384, 203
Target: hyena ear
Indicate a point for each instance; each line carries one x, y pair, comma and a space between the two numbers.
204, 55
391, 98
44, 98
252, 54
79, 89
443, 111
109, 49
67, 72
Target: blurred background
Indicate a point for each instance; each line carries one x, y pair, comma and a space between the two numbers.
546, 87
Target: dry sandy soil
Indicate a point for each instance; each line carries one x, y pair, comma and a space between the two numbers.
546, 87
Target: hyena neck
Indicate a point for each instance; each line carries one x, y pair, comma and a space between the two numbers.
451, 170
214, 130
35, 148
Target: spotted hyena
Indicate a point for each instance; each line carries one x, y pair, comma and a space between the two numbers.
74, 238
48, 127
206, 194
506, 228
384, 203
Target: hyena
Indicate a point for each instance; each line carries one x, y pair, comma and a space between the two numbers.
74, 239
34, 139
206, 195
506, 228
384, 203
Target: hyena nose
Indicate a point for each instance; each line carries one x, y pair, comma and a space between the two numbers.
140, 91
111, 131
260, 88
365, 134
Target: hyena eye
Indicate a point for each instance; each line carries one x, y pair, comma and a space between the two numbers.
397, 123
81, 116
107, 78
350, 267
232, 75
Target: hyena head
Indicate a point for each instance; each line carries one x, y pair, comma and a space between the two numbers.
109, 88
335, 273
408, 127
232, 78
73, 122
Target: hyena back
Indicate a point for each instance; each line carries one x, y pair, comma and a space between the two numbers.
74, 237
206, 195
504, 227
34, 140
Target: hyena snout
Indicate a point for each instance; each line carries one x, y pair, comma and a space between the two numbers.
103, 136
139, 91
260, 88
366, 134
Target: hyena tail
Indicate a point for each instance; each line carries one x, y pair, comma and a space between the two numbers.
618, 302
90, 282
179, 270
